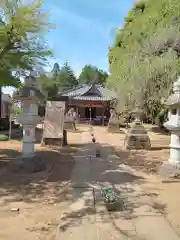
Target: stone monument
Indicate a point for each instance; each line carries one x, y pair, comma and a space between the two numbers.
172, 167
113, 124
69, 121
136, 136
30, 97
53, 123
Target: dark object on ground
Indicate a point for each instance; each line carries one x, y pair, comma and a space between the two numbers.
64, 141
98, 153
93, 140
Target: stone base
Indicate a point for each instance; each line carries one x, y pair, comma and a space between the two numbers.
137, 138
113, 128
52, 141
168, 170
69, 126
133, 141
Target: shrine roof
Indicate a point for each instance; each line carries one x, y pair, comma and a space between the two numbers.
92, 92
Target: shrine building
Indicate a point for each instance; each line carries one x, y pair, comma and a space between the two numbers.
91, 102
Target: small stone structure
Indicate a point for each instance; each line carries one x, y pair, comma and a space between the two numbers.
137, 137
54, 123
172, 167
69, 122
30, 97
113, 124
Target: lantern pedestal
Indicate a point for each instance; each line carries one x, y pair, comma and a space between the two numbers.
172, 167
137, 137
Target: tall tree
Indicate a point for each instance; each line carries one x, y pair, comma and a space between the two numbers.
55, 70
91, 74
21, 43
66, 78
144, 59
59, 80
48, 83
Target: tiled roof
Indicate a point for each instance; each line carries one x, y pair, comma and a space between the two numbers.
92, 98
100, 93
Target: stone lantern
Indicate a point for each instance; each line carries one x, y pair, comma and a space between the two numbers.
173, 125
30, 97
136, 136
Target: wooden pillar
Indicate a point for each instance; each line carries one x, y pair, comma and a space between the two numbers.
103, 115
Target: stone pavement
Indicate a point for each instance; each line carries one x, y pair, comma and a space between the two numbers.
139, 219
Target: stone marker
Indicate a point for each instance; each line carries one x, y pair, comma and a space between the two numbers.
54, 123
137, 137
113, 124
69, 121
172, 167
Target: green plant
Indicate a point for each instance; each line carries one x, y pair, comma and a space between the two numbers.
4, 137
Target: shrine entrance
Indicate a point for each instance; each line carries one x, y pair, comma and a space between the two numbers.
90, 112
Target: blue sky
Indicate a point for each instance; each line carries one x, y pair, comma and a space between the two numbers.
84, 30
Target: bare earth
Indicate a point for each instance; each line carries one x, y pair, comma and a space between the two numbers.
47, 199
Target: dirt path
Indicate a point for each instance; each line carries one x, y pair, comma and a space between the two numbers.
73, 172
140, 217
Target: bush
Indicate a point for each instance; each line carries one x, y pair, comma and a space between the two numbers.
4, 137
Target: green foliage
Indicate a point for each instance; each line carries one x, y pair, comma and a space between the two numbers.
144, 60
61, 79
4, 137
91, 74
66, 78
16, 111
21, 42
48, 86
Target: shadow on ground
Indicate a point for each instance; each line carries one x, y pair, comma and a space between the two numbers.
47, 185
54, 184
160, 131
132, 201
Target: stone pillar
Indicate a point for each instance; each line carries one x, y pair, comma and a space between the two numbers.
103, 110
174, 157
30, 114
28, 141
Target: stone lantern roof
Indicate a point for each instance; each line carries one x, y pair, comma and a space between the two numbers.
26, 92
174, 98
29, 91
